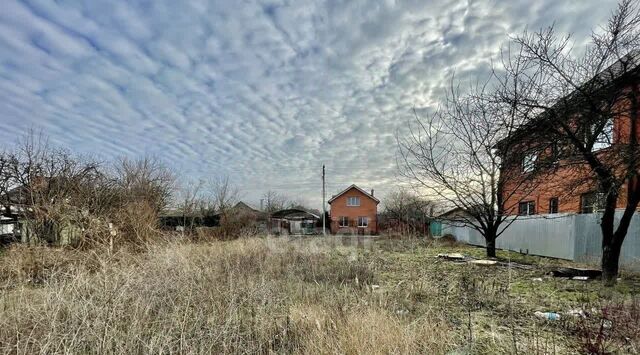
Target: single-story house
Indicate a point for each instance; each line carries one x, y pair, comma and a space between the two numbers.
293, 221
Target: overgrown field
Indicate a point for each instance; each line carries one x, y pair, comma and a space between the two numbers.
311, 295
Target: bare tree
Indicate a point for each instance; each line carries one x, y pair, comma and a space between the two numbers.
223, 194
407, 210
274, 201
586, 102
48, 184
59, 194
452, 155
146, 179
192, 203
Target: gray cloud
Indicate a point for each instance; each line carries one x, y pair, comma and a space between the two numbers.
265, 92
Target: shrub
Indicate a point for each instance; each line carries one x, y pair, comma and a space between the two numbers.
612, 328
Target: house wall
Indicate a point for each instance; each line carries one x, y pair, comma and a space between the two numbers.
568, 181
368, 207
622, 124
6, 228
567, 184
574, 237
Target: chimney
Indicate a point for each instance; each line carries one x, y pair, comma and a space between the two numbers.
371, 192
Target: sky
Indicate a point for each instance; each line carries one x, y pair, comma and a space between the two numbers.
263, 92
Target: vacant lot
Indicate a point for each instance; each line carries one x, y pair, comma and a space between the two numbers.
311, 295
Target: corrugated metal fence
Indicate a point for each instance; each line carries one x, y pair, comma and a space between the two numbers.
574, 237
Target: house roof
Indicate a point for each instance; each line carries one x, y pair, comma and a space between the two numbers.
179, 213
451, 212
294, 213
353, 187
243, 206
625, 67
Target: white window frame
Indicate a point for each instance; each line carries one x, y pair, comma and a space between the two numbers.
604, 138
364, 219
529, 162
557, 205
597, 205
343, 221
531, 208
555, 152
353, 203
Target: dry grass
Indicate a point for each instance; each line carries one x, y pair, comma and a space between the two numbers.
264, 295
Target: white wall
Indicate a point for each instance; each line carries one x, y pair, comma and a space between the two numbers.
6, 228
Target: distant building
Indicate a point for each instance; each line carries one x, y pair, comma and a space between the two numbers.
179, 220
244, 208
13, 212
457, 214
354, 211
295, 221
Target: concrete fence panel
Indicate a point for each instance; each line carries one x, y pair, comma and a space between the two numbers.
574, 237
547, 237
588, 242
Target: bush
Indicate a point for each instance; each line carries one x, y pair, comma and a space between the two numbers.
613, 328
233, 225
69, 200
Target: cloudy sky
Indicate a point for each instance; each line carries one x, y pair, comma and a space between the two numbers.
262, 91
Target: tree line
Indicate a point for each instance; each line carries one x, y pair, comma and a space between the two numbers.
58, 194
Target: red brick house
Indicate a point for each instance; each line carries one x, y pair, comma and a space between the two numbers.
561, 180
354, 211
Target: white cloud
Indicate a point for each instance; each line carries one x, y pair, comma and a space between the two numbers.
263, 91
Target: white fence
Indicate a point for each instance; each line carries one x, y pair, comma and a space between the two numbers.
574, 237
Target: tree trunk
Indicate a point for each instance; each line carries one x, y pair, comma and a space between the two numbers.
491, 246
610, 253
612, 241
610, 259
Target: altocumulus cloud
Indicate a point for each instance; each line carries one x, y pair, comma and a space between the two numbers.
264, 92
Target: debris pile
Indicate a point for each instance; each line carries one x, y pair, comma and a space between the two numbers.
576, 273
460, 258
453, 257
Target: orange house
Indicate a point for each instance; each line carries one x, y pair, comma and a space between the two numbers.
354, 211
562, 182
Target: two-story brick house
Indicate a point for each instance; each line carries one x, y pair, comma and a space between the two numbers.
354, 211
561, 181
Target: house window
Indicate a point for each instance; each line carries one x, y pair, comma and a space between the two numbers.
353, 201
344, 221
527, 208
363, 222
604, 138
592, 202
555, 152
529, 162
553, 205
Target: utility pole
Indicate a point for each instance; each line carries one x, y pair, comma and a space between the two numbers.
324, 210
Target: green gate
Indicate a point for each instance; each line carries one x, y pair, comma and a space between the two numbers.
436, 228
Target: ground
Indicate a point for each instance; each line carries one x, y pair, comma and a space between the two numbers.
304, 295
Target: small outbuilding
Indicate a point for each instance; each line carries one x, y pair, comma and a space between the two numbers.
293, 221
